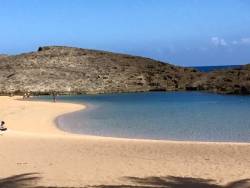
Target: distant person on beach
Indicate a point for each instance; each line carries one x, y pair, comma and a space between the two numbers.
24, 96
2, 128
54, 96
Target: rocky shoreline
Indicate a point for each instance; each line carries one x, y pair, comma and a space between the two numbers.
67, 70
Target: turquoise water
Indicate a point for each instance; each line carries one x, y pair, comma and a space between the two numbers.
161, 115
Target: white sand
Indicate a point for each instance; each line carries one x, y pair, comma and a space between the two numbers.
34, 144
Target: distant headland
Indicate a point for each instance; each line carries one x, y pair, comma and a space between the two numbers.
68, 70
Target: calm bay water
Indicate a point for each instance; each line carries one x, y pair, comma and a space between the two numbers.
161, 115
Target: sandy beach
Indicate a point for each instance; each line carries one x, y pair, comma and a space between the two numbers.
33, 144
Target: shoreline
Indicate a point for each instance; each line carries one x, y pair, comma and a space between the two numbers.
33, 143
87, 106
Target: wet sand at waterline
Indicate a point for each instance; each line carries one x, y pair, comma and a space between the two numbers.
33, 144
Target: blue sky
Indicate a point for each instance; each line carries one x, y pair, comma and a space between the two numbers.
182, 32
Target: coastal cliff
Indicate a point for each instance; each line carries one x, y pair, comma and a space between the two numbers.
68, 70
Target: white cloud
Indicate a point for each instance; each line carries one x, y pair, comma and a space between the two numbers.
218, 41
245, 40
223, 42
215, 40
242, 41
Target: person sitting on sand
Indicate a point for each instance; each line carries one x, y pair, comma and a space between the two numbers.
2, 128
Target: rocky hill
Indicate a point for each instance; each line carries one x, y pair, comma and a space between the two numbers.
68, 70
229, 81
74, 70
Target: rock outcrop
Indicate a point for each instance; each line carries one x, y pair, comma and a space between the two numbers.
74, 70
229, 81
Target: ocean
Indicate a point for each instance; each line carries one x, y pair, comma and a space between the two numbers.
219, 67
192, 116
